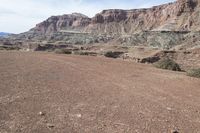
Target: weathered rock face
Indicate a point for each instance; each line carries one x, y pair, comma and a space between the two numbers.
65, 22
178, 16
165, 26
182, 15
107, 16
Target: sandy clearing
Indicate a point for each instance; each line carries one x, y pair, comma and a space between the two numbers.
92, 94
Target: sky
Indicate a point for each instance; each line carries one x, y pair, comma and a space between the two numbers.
18, 16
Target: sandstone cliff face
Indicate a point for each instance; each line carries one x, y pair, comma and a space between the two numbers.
54, 24
182, 15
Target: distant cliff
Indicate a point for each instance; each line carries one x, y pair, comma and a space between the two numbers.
182, 15
70, 22
164, 26
3, 34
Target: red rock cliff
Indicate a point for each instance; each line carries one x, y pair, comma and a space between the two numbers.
182, 15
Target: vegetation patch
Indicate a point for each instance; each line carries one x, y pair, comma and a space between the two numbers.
194, 73
168, 64
85, 53
9, 48
150, 59
63, 51
111, 54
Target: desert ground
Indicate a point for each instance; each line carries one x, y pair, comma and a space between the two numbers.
50, 93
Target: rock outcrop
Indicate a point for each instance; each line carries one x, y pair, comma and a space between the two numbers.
182, 15
75, 21
170, 26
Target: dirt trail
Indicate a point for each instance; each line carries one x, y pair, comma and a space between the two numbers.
49, 93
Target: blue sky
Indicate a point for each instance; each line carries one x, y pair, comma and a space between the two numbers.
18, 16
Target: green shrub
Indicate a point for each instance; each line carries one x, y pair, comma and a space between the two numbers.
9, 48
194, 73
85, 53
111, 54
168, 64
63, 51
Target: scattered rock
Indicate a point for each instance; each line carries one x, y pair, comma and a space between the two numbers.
79, 115
168, 108
50, 126
41, 113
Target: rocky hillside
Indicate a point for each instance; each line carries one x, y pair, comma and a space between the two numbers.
4, 34
70, 22
170, 26
182, 15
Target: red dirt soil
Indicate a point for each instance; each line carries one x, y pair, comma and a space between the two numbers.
49, 93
